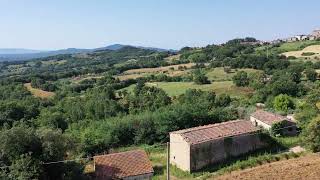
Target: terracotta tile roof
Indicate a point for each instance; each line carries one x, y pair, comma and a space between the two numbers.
121, 165
268, 117
215, 131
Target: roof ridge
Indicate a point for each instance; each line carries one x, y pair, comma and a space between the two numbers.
124, 152
206, 126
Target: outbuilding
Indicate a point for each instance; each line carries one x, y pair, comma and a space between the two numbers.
266, 119
130, 165
195, 148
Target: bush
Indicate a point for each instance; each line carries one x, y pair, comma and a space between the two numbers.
312, 135
200, 78
283, 103
311, 74
277, 128
241, 79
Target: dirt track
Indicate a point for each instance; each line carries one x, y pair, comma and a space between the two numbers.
306, 168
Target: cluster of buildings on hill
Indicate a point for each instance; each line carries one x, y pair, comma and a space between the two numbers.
302, 37
314, 35
195, 148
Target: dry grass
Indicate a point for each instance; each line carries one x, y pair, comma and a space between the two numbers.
38, 92
305, 167
168, 70
130, 76
173, 58
298, 54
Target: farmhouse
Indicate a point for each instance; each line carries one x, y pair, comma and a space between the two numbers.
130, 165
195, 148
267, 119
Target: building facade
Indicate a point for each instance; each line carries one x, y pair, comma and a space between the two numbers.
195, 148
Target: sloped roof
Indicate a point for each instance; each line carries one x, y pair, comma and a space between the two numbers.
268, 117
121, 165
200, 134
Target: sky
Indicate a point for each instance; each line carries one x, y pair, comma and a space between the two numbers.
58, 24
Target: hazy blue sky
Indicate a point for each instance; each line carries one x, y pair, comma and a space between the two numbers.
54, 24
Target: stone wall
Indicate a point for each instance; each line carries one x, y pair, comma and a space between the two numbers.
219, 150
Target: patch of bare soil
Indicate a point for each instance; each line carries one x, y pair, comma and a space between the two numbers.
305, 167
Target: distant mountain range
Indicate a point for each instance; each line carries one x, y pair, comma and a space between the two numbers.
26, 54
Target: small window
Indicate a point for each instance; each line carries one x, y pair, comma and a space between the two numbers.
290, 129
174, 157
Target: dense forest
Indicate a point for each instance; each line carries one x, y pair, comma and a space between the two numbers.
93, 111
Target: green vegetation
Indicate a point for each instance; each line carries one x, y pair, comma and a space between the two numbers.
283, 103
312, 135
311, 74
241, 79
178, 88
219, 74
296, 46
200, 78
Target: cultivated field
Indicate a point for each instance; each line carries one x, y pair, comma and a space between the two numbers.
38, 92
302, 54
178, 88
305, 167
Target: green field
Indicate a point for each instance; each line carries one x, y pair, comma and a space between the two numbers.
296, 46
218, 74
288, 46
178, 88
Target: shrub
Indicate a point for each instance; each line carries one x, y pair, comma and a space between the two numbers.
312, 135
200, 78
241, 79
283, 103
311, 74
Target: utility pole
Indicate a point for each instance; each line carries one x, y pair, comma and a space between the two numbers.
168, 160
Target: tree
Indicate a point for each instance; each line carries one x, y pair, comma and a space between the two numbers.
25, 167
283, 103
241, 79
311, 74
277, 128
222, 100
200, 78
197, 57
257, 80
312, 135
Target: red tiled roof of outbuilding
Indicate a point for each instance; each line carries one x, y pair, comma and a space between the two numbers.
121, 165
215, 131
268, 117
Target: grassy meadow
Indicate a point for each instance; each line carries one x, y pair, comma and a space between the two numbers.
178, 88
